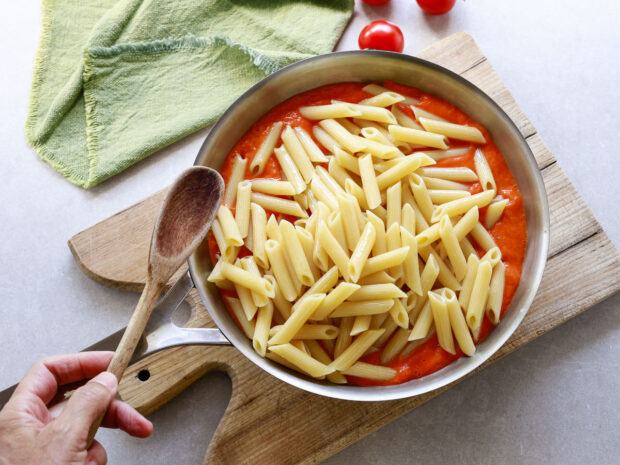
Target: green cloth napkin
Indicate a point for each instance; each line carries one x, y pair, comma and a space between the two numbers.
116, 80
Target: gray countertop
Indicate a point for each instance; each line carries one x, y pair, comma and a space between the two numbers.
553, 401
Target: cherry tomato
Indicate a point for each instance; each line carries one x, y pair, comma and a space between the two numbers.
376, 2
382, 35
436, 7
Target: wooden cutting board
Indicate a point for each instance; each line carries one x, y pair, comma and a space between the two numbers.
114, 253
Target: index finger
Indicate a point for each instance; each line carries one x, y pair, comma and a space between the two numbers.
44, 377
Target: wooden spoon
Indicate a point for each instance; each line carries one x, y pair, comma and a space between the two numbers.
185, 218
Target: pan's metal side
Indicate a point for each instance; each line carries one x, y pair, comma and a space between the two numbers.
378, 66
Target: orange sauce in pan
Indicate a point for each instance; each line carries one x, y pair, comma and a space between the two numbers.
509, 232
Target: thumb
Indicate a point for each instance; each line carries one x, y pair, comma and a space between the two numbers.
86, 404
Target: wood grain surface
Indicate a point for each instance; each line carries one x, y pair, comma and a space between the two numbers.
583, 269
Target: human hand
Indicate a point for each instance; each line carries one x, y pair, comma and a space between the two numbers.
38, 427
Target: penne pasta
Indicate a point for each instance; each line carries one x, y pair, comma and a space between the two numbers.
380, 277
415, 136
334, 222
290, 170
277, 204
422, 323
249, 264
375, 89
342, 136
392, 237
360, 324
361, 252
374, 113
246, 279
261, 331
493, 256
334, 250
360, 245
394, 208
377, 292
334, 110
457, 322
370, 371
236, 176
411, 267
232, 236
441, 319
482, 236
458, 174
369, 307
445, 274
293, 246
460, 206
351, 217
247, 326
496, 293
438, 155
242, 209
301, 360
421, 195
384, 99
324, 138
468, 248
439, 196
478, 298
352, 188
322, 193
357, 348
443, 184
494, 212
452, 247
270, 186
468, 282
407, 217
404, 120
380, 244
346, 160
467, 222
300, 314
297, 152
311, 331
344, 337
399, 314
227, 251
275, 254
451, 130
329, 181
314, 151
404, 167
385, 260
420, 113
369, 181
349, 126
265, 149
485, 175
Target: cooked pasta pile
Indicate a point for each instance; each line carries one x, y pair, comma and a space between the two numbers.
366, 246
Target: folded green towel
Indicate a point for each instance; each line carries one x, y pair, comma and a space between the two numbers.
116, 80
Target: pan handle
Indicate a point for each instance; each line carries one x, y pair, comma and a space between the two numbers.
161, 332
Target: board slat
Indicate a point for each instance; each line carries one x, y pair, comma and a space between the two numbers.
114, 252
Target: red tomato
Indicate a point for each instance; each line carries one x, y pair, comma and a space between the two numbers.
382, 35
436, 7
376, 2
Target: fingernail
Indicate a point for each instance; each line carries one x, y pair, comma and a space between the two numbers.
107, 379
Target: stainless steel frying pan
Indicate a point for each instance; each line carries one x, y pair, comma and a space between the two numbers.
328, 69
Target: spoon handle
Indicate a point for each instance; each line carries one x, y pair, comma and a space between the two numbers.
131, 338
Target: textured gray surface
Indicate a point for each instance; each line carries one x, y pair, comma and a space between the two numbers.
553, 401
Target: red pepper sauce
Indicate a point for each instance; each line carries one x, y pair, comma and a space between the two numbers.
509, 232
